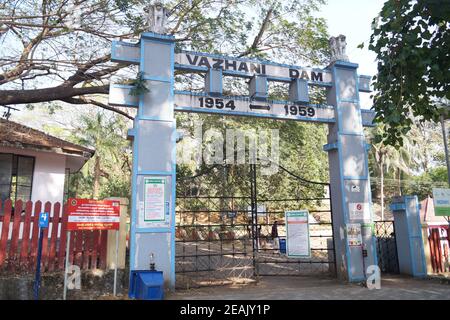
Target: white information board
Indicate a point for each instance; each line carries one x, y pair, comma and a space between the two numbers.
297, 234
154, 199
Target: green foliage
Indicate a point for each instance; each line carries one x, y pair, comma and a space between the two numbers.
106, 134
423, 184
139, 86
116, 185
411, 40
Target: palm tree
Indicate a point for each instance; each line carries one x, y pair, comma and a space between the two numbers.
388, 157
105, 135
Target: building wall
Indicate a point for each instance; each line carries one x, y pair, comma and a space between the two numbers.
48, 176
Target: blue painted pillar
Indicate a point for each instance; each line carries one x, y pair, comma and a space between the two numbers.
408, 236
152, 232
354, 239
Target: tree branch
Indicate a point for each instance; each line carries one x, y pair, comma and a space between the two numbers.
83, 100
79, 75
47, 94
258, 37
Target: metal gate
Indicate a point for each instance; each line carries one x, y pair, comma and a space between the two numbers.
226, 237
386, 246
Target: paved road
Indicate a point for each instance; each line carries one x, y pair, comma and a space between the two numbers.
310, 288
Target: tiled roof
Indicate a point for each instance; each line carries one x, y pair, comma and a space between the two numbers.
13, 134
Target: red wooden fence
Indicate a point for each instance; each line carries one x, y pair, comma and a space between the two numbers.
19, 235
439, 249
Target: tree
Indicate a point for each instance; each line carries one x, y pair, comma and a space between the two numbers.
423, 185
60, 49
111, 161
411, 40
387, 157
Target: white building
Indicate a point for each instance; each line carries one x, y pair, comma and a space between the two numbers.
36, 166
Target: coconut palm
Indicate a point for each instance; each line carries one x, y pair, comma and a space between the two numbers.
105, 134
400, 160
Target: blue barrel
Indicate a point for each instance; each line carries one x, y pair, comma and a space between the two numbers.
282, 245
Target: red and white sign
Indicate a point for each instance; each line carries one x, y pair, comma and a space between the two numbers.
359, 211
86, 214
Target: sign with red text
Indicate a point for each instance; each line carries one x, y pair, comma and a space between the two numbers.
86, 214
359, 211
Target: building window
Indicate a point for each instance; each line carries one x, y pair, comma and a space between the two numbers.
16, 177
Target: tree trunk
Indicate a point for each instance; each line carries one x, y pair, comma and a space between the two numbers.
97, 173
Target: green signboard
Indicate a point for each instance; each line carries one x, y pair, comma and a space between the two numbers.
441, 199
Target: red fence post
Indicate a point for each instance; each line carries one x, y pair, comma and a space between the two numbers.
432, 253
5, 230
437, 249
54, 236
13, 254
25, 245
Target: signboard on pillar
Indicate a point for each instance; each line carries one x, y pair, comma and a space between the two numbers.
154, 199
354, 236
154, 208
441, 200
359, 211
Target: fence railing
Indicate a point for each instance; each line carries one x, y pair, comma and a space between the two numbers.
19, 236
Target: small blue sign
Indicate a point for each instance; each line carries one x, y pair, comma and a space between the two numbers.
44, 218
231, 214
167, 208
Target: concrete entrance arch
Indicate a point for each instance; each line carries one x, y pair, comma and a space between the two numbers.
154, 140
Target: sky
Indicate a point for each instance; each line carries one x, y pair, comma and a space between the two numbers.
353, 18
